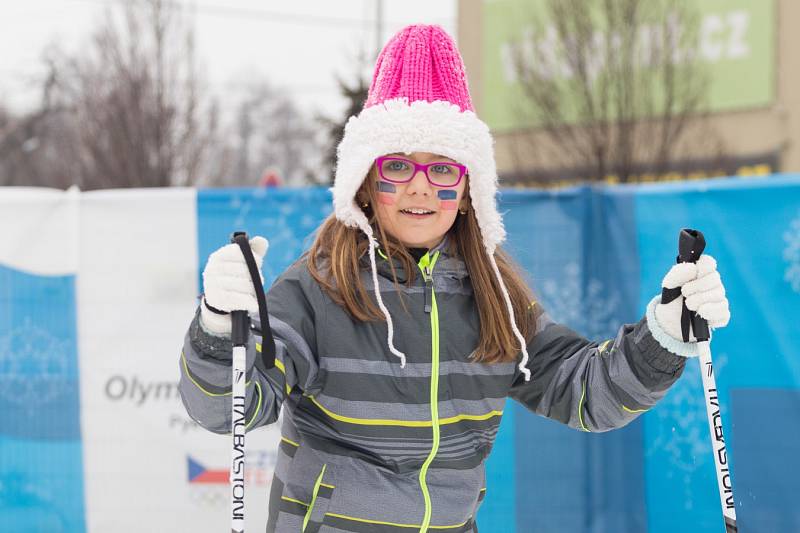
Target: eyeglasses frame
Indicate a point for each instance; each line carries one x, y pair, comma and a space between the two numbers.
420, 166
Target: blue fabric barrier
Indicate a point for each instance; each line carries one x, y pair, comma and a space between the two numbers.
594, 255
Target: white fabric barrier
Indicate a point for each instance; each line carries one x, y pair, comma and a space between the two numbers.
133, 254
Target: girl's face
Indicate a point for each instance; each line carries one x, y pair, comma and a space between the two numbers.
417, 212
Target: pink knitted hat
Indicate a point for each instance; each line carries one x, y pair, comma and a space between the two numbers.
420, 63
419, 102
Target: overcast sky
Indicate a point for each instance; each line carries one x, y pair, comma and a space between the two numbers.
300, 45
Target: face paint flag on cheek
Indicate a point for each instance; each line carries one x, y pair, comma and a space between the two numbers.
386, 192
447, 200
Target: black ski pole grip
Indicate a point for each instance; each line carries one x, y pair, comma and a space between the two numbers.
240, 322
691, 244
267, 341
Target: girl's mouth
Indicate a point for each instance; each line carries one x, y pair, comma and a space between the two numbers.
414, 212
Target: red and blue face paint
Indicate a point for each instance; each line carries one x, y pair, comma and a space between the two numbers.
386, 192
448, 199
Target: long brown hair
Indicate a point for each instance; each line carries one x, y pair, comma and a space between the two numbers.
334, 261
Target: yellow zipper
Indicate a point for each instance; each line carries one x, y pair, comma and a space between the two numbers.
426, 265
313, 497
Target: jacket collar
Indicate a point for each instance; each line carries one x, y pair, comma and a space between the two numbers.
446, 265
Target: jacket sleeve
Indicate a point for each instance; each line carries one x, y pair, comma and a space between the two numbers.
205, 363
594, 386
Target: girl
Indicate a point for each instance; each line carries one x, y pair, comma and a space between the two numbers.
403, 329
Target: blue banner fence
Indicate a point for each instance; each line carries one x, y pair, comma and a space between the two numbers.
594, 256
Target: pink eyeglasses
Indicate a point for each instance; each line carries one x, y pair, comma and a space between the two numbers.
401, 170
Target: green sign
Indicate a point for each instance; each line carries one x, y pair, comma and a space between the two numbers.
735, 41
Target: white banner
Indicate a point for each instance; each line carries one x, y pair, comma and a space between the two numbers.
132, 258
148, 466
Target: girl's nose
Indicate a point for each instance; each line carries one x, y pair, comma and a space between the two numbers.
419, 184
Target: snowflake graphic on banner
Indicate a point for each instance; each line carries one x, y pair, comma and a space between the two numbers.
34, 367
592, 313
792, 254
28, 502
287, 225
682, 423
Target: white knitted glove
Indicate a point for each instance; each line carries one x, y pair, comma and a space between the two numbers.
227, 285
702, 288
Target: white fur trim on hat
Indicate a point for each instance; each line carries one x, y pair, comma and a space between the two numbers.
395, 126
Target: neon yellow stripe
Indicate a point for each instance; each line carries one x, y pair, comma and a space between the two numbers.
258, 390
634, 410
326, 485
379, 522
304, 504
449, 527
280, 366
293, 443
458, 418
580, 407
313, 497
258, 407
423, 473
403, 423
196, 384
603, 346
368, 521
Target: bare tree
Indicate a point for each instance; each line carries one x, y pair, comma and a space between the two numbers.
37, 147
272, 133
355, 92
129, 109
615, 86
17, 139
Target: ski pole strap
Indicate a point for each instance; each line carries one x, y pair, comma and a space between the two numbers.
213, 309
691, 244
667, 295
267, 341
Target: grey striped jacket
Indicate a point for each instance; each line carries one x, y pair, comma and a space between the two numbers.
368, 446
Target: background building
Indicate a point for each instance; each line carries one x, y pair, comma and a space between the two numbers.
753, 99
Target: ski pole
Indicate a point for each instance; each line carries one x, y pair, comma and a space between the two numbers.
691, 244
240, 332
